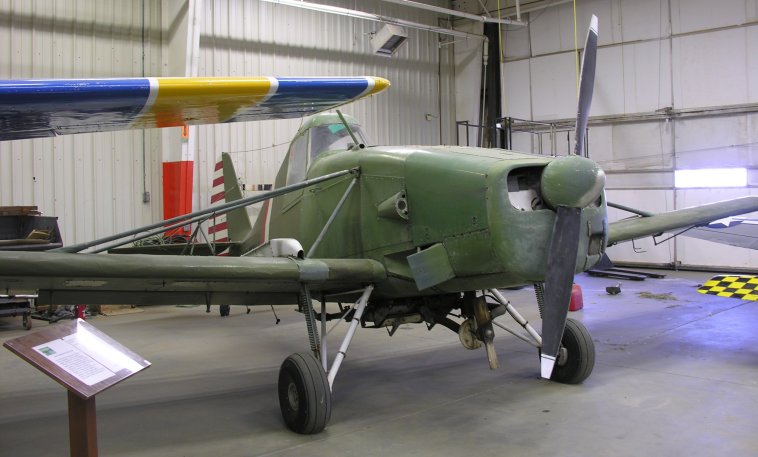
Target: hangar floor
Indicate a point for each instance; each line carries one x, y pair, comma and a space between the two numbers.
675, 376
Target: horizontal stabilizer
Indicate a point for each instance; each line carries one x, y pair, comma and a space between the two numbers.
638, 227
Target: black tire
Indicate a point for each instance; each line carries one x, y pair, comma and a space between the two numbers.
224, 310
580, 354
304, 395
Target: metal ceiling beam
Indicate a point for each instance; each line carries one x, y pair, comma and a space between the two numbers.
522, 7
439, 9
374, 17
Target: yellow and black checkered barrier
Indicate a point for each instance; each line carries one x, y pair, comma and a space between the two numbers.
740, 287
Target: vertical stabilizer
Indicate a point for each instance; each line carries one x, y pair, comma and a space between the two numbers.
217, 228
235, 226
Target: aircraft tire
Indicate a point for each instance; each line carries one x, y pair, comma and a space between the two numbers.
305, 398
580, 354
224, 310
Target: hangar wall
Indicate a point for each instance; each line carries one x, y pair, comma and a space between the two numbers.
95, 183
676, 87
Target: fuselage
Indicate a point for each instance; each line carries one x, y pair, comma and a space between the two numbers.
440, 219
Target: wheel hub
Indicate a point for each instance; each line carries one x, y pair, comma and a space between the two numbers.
467, 335
562, 357
293, 397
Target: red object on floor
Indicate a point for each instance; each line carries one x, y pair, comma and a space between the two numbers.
577, 302
80, 311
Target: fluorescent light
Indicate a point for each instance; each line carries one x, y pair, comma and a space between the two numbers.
711, 177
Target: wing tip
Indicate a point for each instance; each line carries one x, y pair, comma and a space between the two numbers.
380, 84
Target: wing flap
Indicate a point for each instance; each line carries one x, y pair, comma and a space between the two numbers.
41, 108
637, 227
143, 278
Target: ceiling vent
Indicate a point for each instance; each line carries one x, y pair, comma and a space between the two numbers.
387, 40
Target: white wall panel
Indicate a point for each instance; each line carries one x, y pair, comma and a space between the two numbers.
641, 20
552, 29
517, 101
516, 43
694, 15
713, 69
632, 146
647, 76
727, 141
608, 97
553, 86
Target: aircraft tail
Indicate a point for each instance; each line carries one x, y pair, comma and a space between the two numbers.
234, 226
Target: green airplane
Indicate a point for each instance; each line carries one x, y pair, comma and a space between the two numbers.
409, 234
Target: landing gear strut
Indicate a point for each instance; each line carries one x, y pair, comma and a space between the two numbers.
576, 357
305, 389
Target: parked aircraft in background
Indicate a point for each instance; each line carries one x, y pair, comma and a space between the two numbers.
415, 234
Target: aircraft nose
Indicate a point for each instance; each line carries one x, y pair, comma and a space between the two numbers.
571, 181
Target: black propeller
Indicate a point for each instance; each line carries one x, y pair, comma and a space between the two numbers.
586, 86
568, 185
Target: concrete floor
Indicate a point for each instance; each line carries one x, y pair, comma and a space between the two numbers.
673, 377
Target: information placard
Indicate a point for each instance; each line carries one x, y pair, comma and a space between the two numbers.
77, 355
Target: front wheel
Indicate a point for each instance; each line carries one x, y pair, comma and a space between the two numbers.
576, 358
305, 398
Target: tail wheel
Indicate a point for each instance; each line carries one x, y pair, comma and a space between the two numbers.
304, 394
576, 358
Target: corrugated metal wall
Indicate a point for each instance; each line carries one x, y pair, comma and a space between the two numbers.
95, 182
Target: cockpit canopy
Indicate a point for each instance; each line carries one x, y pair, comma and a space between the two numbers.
321, 133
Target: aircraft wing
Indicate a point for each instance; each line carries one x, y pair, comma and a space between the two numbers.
50, 107
640, 226
734, 231
66, 278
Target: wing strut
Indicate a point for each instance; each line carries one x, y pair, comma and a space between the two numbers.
336, 211
202, 215
359, 308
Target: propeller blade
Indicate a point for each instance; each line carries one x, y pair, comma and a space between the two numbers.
558, 282
586, 85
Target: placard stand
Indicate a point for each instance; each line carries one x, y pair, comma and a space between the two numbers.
85, 361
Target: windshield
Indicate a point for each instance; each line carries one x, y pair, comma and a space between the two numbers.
334, 137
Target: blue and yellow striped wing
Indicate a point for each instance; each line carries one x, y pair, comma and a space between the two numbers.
743, 287
43, 108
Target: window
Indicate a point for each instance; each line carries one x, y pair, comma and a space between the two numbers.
333, 137
297, 159
711, 177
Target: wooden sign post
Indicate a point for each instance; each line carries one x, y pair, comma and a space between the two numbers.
85, 361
